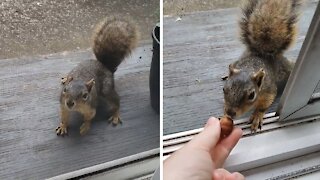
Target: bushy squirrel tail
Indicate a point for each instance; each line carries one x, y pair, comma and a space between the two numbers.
113, 39
268, 27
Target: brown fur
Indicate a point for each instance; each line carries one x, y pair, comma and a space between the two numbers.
113, 40
263, 102
115, 118
88, 114
268, 28
91, 83
64, 115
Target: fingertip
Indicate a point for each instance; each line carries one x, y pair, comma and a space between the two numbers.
212, 121
217, 175
209, 136
237, 176
238, 131
213, 124
234, 137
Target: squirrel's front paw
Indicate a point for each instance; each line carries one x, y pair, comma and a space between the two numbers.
256, 121
61, 130
115, 120
84, 128
225, 77
64, 80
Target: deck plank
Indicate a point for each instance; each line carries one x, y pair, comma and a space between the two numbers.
29, 113
197, 51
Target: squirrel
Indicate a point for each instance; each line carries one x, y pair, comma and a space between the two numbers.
268, 28
91, 83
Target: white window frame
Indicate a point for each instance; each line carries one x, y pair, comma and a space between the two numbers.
295, 101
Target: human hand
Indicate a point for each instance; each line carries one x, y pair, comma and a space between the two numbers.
204, 156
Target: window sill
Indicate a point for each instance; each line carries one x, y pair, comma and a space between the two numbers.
278, 141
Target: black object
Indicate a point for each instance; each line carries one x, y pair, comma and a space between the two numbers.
154, 78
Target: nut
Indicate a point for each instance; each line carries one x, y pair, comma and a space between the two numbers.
226, 124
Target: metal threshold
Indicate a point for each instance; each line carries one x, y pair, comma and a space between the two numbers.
136, 166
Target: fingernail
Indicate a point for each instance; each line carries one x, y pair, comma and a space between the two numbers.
211, 120
207, 123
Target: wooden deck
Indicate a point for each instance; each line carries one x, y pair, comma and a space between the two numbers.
197, 52
29, 114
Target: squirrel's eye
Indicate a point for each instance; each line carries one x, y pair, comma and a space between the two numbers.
224, 90
251, 96
64, 90
85, 96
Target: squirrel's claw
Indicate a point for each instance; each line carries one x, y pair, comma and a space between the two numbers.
115, 120
256, 120
260, 125
223, 78
84, 129
61, 130
64, 80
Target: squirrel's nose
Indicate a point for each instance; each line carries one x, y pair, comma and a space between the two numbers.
231, 113
70, 104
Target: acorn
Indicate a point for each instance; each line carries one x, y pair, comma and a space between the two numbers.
226, 125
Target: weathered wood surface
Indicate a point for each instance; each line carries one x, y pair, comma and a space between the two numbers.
29, 114
197, 52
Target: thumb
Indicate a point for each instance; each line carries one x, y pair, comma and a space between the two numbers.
209, 137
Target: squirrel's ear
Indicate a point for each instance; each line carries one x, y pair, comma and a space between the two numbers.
258, 77
66, 80
233, 70
90, 84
